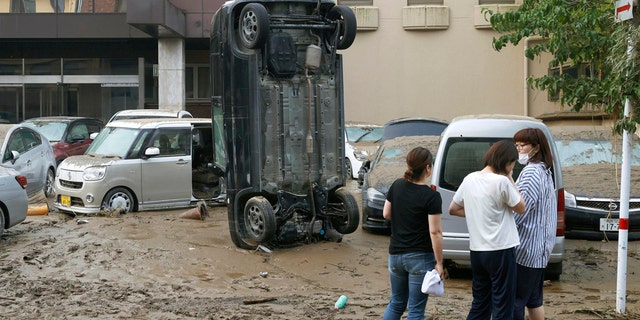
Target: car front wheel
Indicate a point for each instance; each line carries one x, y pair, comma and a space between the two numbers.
48, 184
120, 197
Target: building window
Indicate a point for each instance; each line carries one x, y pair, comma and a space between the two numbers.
197, 82
496, 2
356, 2
424, 2
582, 70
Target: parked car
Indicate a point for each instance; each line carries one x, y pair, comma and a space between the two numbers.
361, 141
388, 165
13, 198
460, 152
142, 164
411, 126
28, 152
149, 113
69, 136
591, 159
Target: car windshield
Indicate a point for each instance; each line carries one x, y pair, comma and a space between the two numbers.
579, 152
113, 142
364, 134
52, 130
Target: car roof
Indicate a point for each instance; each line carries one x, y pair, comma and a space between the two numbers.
59, 119
159, 113
491, 125
150, 123
413, 126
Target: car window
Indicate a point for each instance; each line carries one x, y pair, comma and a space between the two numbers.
79, 131
361, 134
115, 142
172, 142
52, 130
30, 139
579, 152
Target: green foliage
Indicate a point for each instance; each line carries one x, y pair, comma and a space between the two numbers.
581, 34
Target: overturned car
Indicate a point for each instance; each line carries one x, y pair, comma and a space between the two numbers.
278, 118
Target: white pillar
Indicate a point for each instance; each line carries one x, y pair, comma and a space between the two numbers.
171, 60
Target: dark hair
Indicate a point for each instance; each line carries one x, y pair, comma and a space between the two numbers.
536, 137
417, 160
499, 155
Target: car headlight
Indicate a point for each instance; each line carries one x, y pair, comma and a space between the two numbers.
360, 155
569, 200
94, 173
375, 196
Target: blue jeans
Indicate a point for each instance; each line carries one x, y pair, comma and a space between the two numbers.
406, 272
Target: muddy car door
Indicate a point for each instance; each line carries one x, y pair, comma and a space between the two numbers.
166, 176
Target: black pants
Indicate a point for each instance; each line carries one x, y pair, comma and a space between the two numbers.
494, 284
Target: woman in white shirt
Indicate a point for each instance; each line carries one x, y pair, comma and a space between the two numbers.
487, 199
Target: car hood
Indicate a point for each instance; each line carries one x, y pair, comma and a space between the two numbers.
598, 180
85, 161
382, 177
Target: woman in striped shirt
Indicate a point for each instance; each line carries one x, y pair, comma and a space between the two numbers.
537, 227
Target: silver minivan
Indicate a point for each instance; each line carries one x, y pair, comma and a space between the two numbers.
142, 164
460, 151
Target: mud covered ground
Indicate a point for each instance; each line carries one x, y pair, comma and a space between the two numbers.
155, 265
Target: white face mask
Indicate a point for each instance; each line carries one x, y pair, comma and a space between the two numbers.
523, 158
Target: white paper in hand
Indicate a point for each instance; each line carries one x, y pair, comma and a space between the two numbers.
432, 284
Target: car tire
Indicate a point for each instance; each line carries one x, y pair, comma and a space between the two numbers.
553, 271
348, 168
259, 219
345, 212
49, 183
1, 221
254, 25
120, 197
347, 26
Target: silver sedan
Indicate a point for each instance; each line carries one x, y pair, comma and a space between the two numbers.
13, 198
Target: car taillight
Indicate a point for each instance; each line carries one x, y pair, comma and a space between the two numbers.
22, 180
560, 228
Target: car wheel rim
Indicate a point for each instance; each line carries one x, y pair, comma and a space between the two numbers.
256, 221
120, 200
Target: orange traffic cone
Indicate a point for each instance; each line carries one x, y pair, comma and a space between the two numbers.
200, 212
38, 210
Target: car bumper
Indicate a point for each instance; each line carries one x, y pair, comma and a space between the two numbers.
372, 219
79, 194
585, 224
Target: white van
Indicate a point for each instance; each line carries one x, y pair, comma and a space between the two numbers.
462, 147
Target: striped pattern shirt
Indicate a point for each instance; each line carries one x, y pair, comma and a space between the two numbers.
537, 226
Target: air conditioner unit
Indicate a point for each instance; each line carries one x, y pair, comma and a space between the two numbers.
425, 17
366, 17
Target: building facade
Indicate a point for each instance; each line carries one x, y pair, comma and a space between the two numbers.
429, 58
96, 57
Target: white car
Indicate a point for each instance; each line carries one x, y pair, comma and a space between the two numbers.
460, 152
13, 198
149, 113
361, 141
30, 153
142, 164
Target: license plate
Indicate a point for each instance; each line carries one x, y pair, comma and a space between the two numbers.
65, 201
608, 224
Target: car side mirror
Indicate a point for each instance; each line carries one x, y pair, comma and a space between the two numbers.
151, 152
14, 156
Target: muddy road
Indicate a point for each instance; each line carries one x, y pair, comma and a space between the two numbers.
156, 265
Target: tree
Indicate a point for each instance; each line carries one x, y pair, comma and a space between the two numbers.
578, 33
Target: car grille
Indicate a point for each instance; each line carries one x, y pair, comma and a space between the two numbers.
71, 184
605, 205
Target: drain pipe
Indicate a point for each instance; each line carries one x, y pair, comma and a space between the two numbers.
525, 105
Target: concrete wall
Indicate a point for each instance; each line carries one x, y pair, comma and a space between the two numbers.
391, 72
